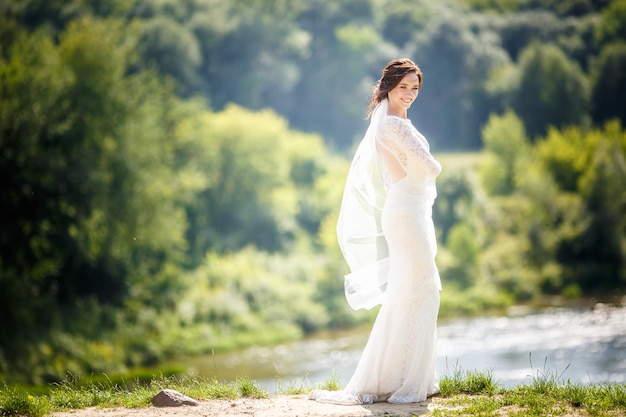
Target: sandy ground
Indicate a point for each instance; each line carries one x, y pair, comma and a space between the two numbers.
290, 406
278, 406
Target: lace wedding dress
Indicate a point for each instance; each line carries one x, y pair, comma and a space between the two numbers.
398, 362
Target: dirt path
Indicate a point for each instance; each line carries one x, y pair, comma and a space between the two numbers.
292, 406
279, 406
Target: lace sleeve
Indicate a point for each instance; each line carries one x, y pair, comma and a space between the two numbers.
405, 142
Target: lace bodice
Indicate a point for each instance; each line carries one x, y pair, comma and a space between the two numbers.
404, 149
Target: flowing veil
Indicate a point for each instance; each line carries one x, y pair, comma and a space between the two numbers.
359, 229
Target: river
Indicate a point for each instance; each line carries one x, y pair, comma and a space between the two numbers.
580, 345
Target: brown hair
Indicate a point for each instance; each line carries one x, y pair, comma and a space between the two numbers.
391, 76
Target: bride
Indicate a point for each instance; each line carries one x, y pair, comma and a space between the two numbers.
387, 237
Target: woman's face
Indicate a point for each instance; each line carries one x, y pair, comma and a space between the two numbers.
405, 93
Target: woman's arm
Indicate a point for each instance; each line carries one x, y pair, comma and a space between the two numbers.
405, 142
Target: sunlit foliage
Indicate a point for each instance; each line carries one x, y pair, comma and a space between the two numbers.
172, 170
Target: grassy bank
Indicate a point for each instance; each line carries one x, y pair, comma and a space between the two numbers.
463, 393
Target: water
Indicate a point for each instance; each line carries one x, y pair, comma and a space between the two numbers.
583, 346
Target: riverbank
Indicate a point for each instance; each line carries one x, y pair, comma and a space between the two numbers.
464, 393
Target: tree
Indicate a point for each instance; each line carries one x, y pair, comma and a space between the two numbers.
560, 7
506, 147
250, 53
551, 90
520, 29
55, 15
248, 198
586, 208
612, 25
32, 83
455, 197
91, 211
346, 54
402, 19
596, 257
609, 84
175, 51
456, 62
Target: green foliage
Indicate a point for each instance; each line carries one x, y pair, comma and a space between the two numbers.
314, 62
506, 147
402, 19
174, 49
600, 254
249, 196
560, 7
590, 164
250, 288
463, 244
609, 83
497, 6
126, 170
553, 203
551, 91
456, 62
566, 155
483, 297
260, 180
505, 169
88, 211
504, 262
612, 25
456, 190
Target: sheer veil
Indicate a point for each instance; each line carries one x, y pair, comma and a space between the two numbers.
359, 229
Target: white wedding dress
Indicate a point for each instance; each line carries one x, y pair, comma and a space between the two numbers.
398, 362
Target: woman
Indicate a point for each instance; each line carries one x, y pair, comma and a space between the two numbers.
387, 236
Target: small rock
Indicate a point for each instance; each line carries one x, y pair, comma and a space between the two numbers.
171, 398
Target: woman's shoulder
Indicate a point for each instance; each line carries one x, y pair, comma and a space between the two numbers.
395, 125
396, 128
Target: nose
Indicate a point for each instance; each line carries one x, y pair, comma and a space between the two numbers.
411, 94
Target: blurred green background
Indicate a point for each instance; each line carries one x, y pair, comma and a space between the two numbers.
172, 169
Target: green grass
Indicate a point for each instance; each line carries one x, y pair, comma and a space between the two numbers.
463, 393
474, 393
302, 387
74, 394
468, 382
